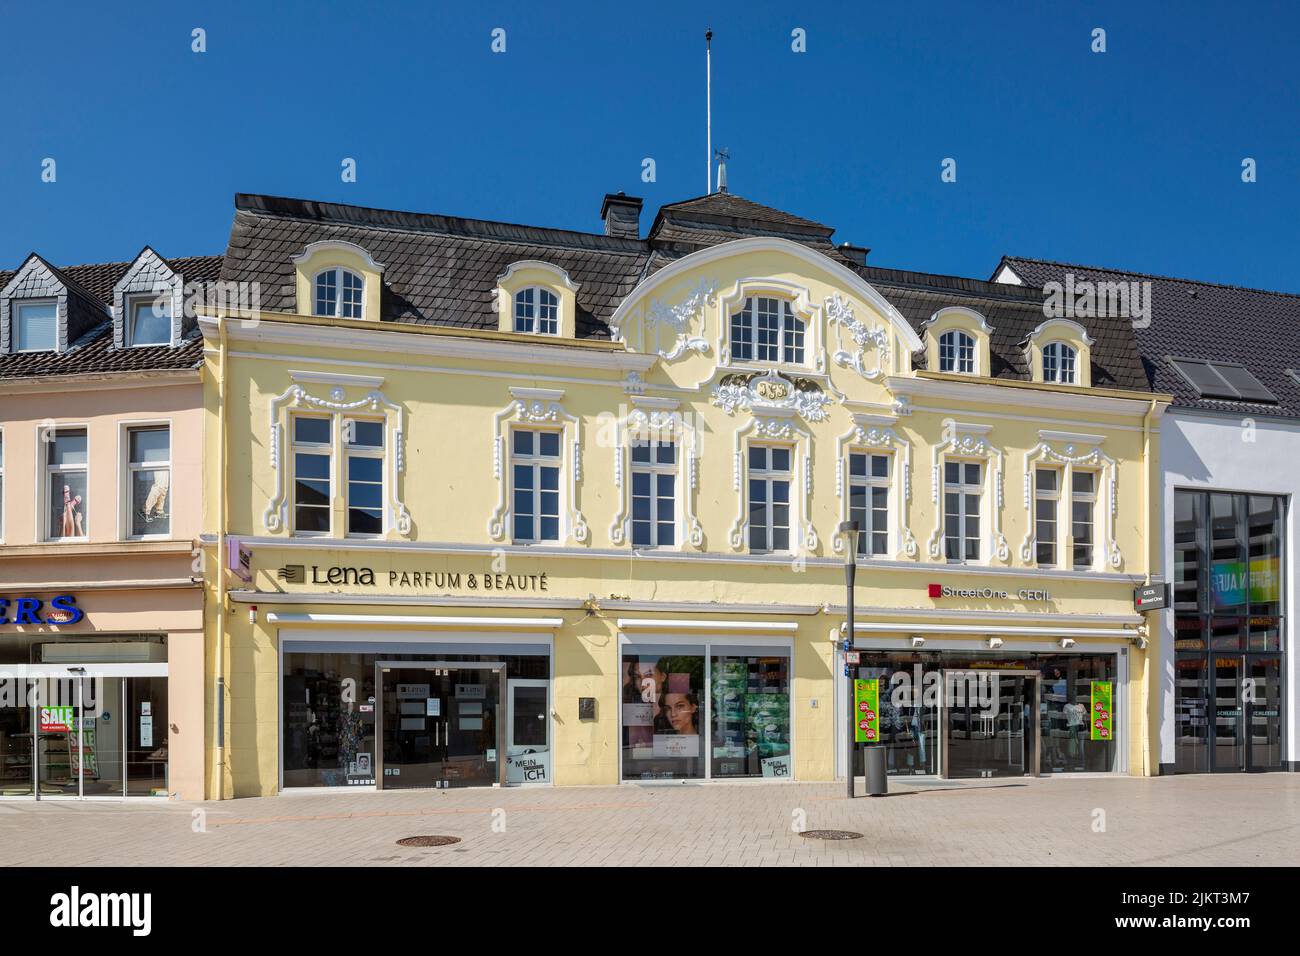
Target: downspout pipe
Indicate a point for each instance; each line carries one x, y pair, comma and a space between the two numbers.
1155, 539
220, 690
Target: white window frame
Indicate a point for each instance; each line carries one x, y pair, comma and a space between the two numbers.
130, 303
1063, 355
1054, 496
1090, 499
45, 469
312, 448
364, 451
339, 272
534, 321
869, 482
962, 489
791, 333
537, 461
770, 476
959, 341
654, 468
129, 469
16, 307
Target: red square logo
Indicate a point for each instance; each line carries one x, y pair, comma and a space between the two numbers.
936, 590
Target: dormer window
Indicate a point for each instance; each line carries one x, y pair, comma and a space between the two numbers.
149, 321
957, 352
338, 293
1059, 362
537, 311
36, 326
767, 330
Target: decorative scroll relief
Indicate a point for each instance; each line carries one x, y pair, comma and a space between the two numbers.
840, 314
679, 318
872, 432
964, 440
654, 418
276, 515
1078, 451
771, 393
777, 428
536, 406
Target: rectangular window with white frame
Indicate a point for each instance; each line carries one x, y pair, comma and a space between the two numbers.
770, 478
535, 484
869, 501
67, 463
36, 325
313, 469
1047, 502
148, 320
962, 493
1083, 504
654, 493
363, 444
148, 480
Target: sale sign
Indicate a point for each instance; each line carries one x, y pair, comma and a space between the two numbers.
56, 720
866, 711
1101, 713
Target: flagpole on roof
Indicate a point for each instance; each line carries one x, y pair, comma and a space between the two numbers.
708, 110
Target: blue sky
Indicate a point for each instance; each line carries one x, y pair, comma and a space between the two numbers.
1130, 158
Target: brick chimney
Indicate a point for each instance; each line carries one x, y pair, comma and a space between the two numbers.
622, 215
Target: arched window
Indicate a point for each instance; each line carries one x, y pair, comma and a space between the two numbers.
1058, 363
767, 330
537, 310
956, 352
337, 293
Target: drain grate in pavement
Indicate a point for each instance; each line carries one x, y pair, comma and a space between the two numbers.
428, 841
830, 835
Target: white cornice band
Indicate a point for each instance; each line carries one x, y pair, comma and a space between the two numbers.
440, 622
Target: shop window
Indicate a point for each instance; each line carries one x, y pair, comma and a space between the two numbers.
1083, 505
36, 326
769, 498
1058, 363
654, 481
537, 310
535, 471
869, 501
149, 320
750, 714
1047, 497
148, 480
962, 492
363, 444
66, 468
338, 293
957, 352
767, 330
313, 446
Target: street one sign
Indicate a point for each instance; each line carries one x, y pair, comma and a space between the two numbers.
1151, 597
866, 711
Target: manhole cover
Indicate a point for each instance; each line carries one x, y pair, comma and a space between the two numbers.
428, 841
831, 835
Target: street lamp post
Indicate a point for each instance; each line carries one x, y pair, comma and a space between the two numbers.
849, 529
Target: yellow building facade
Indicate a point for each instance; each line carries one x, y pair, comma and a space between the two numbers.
494, 508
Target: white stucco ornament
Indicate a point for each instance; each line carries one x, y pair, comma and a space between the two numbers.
840, 313
678, 318
771, 394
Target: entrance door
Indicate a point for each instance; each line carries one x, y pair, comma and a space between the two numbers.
61, 737
1263, 707
439, 725
990, 723
1227, 733
528, 724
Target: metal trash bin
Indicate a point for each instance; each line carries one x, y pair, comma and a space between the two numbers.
873, 759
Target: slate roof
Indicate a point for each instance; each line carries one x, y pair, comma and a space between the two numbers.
93, 352
1190, 319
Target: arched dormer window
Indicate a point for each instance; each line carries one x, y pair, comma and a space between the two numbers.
338, 293
767, 330
537, 311
1059, 362
956, 352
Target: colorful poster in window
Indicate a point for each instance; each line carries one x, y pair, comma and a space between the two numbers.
768, 717
1101, 710
1233, 586
866, 711
56, 720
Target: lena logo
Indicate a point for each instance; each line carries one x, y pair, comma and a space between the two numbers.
74, 909
27, 610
